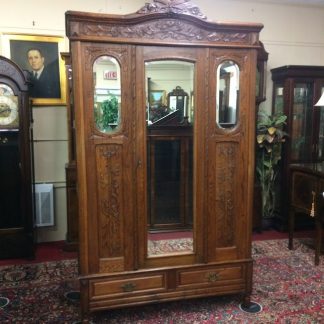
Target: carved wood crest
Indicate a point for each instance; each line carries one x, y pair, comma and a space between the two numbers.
172, 6
166, 29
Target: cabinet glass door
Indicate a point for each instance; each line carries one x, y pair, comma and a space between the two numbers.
320, 150
278, 99
301, 123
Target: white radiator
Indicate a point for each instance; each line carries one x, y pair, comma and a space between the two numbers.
44, 200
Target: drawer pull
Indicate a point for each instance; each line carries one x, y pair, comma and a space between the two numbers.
212, 276
128, 287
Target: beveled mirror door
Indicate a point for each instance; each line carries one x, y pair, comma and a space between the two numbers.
169, 157
107, 90
227, 99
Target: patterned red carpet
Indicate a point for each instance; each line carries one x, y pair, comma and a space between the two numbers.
286, 283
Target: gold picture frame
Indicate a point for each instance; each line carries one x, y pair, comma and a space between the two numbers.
157, 98
17, 48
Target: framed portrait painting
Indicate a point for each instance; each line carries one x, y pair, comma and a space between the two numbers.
40, 57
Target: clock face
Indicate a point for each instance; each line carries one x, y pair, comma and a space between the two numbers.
9, 116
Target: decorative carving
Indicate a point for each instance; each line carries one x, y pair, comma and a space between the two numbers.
172, 6
109, 197
227, 37
93, 53
225, 184
164, 29
111, 265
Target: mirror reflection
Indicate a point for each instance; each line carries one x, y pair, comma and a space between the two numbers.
170, 116
227, 100
107, 101
178, 100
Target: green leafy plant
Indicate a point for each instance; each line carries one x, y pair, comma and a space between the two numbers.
107, 114
270, 138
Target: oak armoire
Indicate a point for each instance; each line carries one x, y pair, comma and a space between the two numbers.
201, 163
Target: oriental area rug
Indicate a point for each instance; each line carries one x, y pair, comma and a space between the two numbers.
170, 246
285, 283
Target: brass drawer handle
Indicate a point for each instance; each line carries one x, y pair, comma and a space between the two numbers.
212, 276
128, 287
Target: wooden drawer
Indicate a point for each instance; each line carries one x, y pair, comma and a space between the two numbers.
210, 276
126, 285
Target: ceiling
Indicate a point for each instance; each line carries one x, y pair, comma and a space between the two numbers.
294, 2
303, 2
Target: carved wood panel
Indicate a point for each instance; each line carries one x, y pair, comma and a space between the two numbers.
164, 29
110, 198
225, 193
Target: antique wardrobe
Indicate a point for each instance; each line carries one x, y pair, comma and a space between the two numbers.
165, 128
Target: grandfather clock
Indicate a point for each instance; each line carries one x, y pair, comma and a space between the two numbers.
16, 165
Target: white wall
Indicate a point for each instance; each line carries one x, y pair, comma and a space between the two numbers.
292, 34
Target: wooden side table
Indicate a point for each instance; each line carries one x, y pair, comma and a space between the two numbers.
307, 196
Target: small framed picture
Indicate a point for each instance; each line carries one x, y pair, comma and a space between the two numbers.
157, 98
40, 57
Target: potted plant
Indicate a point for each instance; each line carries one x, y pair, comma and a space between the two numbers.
107, 114
270, 138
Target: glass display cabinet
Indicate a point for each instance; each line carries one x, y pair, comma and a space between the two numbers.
149, 164
296, 89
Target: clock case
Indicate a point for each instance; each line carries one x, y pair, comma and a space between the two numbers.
8, 108
16, 171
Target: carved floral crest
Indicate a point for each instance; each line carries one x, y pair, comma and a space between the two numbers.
172, 6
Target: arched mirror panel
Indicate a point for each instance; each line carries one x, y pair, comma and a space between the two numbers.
227, 94
170, 117
107, 94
